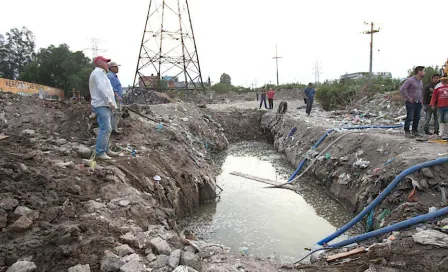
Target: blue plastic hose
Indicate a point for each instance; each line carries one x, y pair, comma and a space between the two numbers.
381, 196
397, 226
316, 145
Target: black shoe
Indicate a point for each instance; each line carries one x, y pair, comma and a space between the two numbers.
427, 132
415, 133
436, 132
408, 134
116, 132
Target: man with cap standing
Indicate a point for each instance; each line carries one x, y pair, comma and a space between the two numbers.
118, 94
103, 103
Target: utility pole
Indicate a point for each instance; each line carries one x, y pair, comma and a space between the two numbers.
276, 61
371, 32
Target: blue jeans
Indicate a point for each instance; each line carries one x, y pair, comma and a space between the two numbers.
413, 115
263, 100
443, 114
103, 117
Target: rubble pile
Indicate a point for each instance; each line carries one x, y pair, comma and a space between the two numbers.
61, 212
143, 96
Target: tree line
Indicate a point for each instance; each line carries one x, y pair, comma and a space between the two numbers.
55, 66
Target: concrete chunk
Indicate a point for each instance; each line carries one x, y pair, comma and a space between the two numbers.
22, 266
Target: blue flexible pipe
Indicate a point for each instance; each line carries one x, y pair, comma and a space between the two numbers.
397, 226
316, 145
380, 197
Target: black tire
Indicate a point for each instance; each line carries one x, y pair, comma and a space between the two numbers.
282, 107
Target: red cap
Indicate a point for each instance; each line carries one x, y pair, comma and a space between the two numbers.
95, 60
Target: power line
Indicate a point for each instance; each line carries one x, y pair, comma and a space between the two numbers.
371, 32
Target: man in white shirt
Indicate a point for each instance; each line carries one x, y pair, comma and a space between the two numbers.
103, 103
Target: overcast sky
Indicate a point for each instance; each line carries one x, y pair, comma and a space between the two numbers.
238, 37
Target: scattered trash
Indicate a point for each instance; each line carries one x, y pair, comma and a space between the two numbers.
293, 130
327, 156
3, 136
159, 126
381, 217
431, 237
244, 250
346, 254
157, 178
344, 159
413, 196
389, 161
344, 179
369, 223
311, 154
134, 153
432, 209
362, 163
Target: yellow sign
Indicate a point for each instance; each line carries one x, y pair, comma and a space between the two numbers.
30, 89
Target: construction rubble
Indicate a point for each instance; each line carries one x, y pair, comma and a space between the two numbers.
60, 210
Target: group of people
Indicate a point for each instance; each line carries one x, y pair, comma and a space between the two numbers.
309, 97
433, 98
270, 95
106, 97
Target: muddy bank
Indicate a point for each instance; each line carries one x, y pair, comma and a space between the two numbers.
357, 168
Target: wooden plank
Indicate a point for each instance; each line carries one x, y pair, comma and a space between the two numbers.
267, 181
346, 254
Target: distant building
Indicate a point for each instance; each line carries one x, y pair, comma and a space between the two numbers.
170, 78
365, 75
148, 81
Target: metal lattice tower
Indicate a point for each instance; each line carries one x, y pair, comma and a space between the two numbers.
168, 49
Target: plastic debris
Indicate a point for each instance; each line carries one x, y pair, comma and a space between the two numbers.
327, 156
431, 237
157, 178
432, 209
362, 163
293, 130
389, 161
159, 126
134, 153
244, 250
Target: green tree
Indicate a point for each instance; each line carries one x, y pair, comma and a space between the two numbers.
61, 68
225, 79
16, 51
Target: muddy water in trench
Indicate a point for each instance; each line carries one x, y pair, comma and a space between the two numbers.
265, 221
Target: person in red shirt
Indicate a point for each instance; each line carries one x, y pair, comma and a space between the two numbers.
440, 101
271, 94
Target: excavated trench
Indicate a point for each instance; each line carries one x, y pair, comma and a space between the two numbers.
250, 218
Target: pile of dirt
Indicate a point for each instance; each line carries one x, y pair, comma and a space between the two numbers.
143, 96
57, 210
356, 169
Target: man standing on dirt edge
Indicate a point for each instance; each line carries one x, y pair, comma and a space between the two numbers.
411, 90
103, 103
271, 94
263, 97
118, 93
427, 95
309, 92
440, 100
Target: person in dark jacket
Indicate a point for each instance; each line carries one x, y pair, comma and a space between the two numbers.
263, 97
427, 95
309, 92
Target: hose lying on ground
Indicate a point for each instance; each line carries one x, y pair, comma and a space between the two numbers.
381, 196
397, 226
